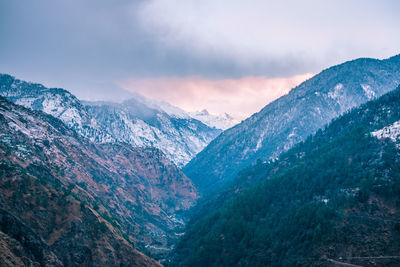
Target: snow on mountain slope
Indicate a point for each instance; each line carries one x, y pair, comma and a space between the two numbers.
139, 121
54, 101
291, 118
223, 121
392, 132
175, 133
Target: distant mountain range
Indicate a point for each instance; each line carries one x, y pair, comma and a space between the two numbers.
138, 121
145, 124
223, 121
291, 118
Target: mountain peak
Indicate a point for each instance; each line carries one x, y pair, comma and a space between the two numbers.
222, 121
204, 112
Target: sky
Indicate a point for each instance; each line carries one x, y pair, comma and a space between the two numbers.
225, 56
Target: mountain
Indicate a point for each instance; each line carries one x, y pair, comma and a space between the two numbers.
291, 118
86, 200
153, 124
332, 199
138, 121
54, 101
223, 121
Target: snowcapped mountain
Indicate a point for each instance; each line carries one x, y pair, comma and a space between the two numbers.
293, 117
222, 121
57, 102
147, 123
138, 121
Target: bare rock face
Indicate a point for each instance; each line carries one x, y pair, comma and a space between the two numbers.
92, 204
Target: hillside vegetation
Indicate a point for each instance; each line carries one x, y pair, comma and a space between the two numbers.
335, 196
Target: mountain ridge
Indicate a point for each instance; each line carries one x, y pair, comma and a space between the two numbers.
291, 118
165, 127
178, 135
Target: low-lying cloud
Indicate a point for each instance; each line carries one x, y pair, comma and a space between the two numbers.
238, 97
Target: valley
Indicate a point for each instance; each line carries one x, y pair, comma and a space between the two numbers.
149, 133
310, 179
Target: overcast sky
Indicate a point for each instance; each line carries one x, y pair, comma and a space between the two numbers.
223, 55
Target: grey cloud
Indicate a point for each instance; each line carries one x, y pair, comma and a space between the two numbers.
86, 46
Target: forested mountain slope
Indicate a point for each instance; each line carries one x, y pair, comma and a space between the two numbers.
335, 196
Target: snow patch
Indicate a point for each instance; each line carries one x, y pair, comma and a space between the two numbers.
337, 91
221, 121
369, 93
392, 132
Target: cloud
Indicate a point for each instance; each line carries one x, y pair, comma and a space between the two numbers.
238, 97
275, 31
84, 46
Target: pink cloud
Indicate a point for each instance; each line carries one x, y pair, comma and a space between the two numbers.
238, 97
